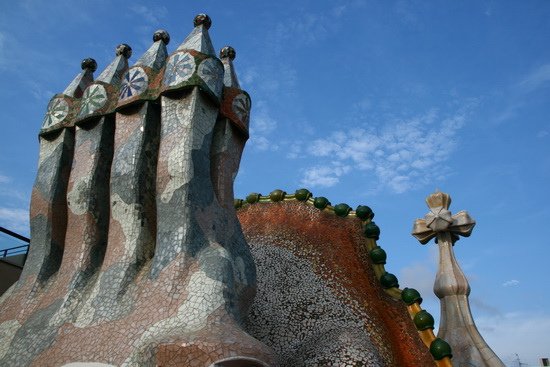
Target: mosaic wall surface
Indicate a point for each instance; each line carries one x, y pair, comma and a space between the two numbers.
137, 255
319, 302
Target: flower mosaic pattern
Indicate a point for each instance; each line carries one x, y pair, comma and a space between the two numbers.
58, 109
212, 74
241, 107
180, 68
134, 82
93, 99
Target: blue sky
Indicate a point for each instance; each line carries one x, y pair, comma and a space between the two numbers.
364, 102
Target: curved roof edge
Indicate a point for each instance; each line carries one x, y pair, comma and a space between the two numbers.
424, 322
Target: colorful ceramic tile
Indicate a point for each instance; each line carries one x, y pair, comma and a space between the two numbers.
180, 68
94, 98
134, 82
58, 109
241, 107
211, 71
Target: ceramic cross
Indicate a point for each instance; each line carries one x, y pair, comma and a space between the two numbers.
439, 220
457, 325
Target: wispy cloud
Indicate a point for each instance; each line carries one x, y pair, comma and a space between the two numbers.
516, 332
517, 93
511, 283
13, 212
15, 219
529, 338
402, 155
536, 78
419, 276
262, 124
323, 176
481, 305
9, 193
294, 149
151, 16
3, 50
307, 27
8, 51
273, 71
406, 12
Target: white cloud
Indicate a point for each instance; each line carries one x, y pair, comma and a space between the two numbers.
364, 104
14, 219
479, 304
542, 134
263, 144
324, 176
12, 216
11, 194
3, 50
294, 150
406, 12
530, 331
151, 16
510, 283
339, 10
38, 91
402, 155
262, 124
248, 76
418, 276
536, 78
517, 332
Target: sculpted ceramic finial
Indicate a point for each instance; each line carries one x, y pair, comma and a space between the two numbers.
202, 19
451, 286
163, 35
89, 63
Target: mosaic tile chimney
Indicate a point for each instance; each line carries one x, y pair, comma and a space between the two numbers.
140, 256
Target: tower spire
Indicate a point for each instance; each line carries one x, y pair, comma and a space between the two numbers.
451, 286
156, 55
63, 106
100, 98
236, 102
199, 39
82, 80
114, 71
194, 63
142, 81
227, 55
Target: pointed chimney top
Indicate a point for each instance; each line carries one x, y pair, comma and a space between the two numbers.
115, 70
155, 56
202, 19
199, 39
83, 79
161, 34
89, 64
230, 80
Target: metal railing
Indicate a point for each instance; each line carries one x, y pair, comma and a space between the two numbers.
17, 250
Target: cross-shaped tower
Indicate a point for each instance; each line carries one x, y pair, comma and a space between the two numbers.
457, 325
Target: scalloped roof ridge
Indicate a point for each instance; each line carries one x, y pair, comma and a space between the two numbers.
423, 321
